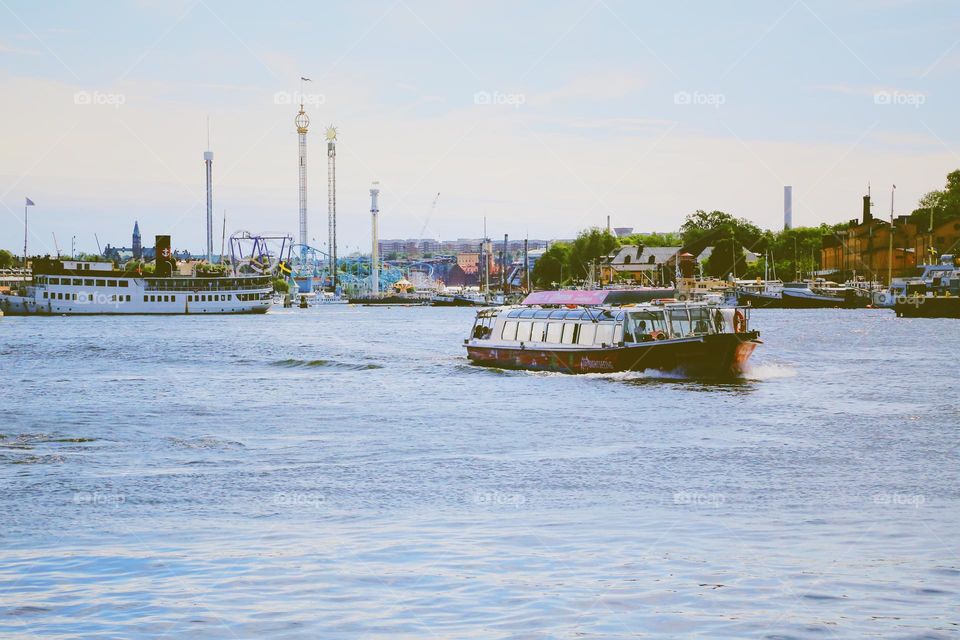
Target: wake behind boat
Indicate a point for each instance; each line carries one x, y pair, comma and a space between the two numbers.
582, 332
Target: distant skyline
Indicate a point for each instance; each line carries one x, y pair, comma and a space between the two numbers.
544, 118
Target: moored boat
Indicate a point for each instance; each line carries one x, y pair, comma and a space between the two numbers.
77, 287
821, 294
587, 334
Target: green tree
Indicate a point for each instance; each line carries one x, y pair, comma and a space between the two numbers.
668, 239
6, 259
939, 206
551, 270
591, 246
281, 286
726, 234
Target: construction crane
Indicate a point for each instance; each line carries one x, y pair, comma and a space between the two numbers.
55, 245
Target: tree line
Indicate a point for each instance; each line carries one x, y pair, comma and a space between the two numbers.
788, 254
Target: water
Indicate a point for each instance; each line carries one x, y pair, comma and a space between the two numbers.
344, 472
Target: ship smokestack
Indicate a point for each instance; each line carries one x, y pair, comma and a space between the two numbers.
163, 257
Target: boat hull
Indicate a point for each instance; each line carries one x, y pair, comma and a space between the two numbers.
710, 355
759, 301
791, 300
927, 307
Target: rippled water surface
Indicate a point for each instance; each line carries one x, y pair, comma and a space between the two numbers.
343, 473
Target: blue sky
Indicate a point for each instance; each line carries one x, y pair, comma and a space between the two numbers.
640, 111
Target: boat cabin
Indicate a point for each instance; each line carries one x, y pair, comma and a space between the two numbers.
603, 327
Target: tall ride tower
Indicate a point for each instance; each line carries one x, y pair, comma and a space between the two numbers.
208, 160
374, 236
332, 204
303, 121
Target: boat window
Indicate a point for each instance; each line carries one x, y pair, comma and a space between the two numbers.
111, 283
574, 315
587, 334
543, 313
554, 332
514, 314
604, 333
568, 329
679, 323
640, 326
124, 283
523, 331
54, 280
559, 313
77, 282
87, 282
700, 319
101, 283
509, 330
618, 334
527, 313
539, 328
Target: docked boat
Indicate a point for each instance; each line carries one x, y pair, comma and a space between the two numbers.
77, 287
588, 332
933, 293
760, 294
821, 294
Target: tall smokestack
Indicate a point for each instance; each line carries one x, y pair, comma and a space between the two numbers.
374, 236
787, 208
867, 214
163, 257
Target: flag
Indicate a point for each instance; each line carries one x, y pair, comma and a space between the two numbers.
30, 203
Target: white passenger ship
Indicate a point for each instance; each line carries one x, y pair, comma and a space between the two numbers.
73, 287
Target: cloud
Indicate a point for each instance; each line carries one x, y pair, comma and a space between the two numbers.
596, 86
4, 48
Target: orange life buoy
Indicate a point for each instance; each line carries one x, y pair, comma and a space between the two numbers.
739, 322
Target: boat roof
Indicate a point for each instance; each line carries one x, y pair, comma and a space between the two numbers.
597, 297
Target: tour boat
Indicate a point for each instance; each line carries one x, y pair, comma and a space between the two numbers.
583, 332
77, 287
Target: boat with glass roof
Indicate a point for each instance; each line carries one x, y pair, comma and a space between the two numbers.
602, 331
